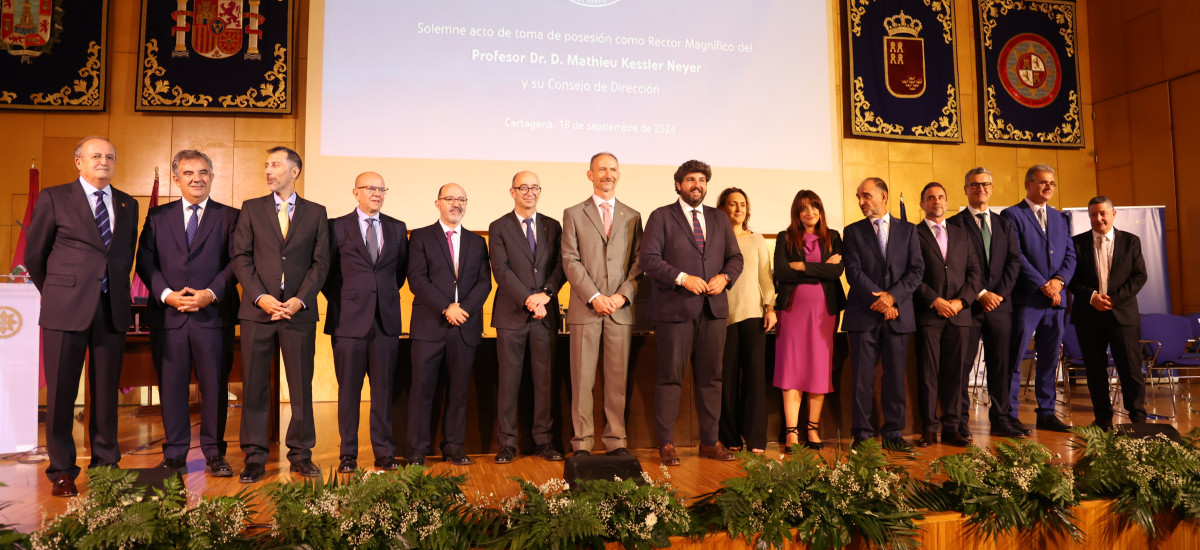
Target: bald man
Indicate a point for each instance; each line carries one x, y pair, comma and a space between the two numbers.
368, 263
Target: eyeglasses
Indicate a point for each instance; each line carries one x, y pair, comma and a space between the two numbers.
1046, 183
453, 200
373, 189
980, 184
537, 189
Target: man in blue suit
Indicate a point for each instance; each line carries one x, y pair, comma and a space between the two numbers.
884, 266
1039, 299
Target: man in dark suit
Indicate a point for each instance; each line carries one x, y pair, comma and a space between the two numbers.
943, 307
691, 256
368, 253
184, 258
1039, 297
450, 279
527, 264
884, 266
600, 243
79, 252
281, 257
1107, 279
999, 255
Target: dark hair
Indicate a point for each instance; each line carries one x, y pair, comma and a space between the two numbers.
879, 184
1101, 199
795, 231
693, 167
975, 172
592, 162
292, 156
725, 196
930, 185
188, 154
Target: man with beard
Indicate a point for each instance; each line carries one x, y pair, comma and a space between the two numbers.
691, 255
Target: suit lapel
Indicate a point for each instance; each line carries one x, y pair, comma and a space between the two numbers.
543, 238
124, 217
272, 213
592, 212
355, 230
212, 216
444, 245
1037, 226
173, 216
81, 204
517, 230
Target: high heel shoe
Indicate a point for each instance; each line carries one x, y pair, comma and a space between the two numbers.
790, 430
815, 445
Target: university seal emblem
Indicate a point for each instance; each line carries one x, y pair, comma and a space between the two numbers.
1030, 70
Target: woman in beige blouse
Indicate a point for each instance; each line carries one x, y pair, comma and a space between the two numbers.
751, 315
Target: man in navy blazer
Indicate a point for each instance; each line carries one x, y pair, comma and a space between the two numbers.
691, 256
368, 253
884, 266
184, 258
1040, 295
999, 254
79, 252
450, 279
943, 307
527, 264
1105, 313
281, 258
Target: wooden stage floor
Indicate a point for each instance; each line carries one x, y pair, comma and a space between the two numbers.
28, 490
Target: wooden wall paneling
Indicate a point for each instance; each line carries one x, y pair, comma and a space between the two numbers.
1108, 50
1185, 127
1116, 183
1153, 157
1144, 48
1112, 138
1076, 178
1179, 21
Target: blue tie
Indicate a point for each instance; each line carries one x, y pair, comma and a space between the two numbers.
697, 232
193, 223
882, 237
529, 234
105, 231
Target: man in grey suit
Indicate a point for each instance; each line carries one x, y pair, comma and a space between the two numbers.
600, 243
281, 257
527, 265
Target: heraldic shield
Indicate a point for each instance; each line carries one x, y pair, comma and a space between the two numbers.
904, 56
25, 24
217, 28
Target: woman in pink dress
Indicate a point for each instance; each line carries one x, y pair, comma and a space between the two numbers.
809, 296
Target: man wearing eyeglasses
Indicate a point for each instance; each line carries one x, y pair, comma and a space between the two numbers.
449, 276
527, 265
368, 262
1039, 297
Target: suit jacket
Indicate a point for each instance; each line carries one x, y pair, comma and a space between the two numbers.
1126, 277
164, 261
595, 263
669, 247
829, 276
432, 281
262, 257
358, 288
999, 274
868, 272
520, 272
1043, 257
955, 277
67, 260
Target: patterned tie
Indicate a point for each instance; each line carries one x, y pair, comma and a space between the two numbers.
372, 240
1041, 217
529, 234
1102, 264
105, 231
987, 235
284, 219
193, 223
882, 235
939, 234
606, 216
450, 243
697, 232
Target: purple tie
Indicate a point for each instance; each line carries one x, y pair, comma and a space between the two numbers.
105, 231
697, 232
450, 243
529, 234
939, 234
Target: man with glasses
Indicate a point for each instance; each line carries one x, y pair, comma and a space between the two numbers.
450, 279
527, 265
1039, 297
368, 253
999, 254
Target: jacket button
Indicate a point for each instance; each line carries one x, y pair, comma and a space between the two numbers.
535, 270
283, 258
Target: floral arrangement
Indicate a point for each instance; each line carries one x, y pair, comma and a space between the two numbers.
116, 513
1143, 477
1014, 488
9, 537
827, 504
591, 513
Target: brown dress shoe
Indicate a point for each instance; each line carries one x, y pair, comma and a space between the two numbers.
667, 455
716, 452
64, 486
927, 439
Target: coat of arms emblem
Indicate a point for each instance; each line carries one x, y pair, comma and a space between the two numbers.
904, 56
28, 28
217, 28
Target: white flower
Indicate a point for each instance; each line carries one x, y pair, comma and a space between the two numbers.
651, 519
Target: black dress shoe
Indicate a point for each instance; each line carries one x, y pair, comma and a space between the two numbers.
306, 468
457, 457
347, 465
1017, 425
1106, 426
216, 466
898, 444
506, 455
1001, 428
173, 464
64, 486
1051, 423
619, 451
387, 463
416, 459
927, 439
548, 453
956, 439
252, 473
859, 441
966, 434
581, 452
